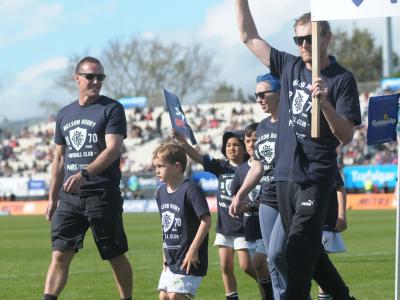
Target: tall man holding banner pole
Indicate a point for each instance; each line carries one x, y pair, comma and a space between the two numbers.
305, 165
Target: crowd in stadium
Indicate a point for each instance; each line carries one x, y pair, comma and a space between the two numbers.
29, 151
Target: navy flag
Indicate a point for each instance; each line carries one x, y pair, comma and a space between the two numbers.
177, 116
382, 119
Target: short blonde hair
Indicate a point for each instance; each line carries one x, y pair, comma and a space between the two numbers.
306, 18
172, 153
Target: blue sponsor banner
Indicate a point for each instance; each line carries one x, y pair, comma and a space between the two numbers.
207, 181
177, 116
382, 119
356, 176
36, 185
392, 84
133, 102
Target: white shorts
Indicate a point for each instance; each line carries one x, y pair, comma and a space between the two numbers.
235, 242
257, 247
178, 283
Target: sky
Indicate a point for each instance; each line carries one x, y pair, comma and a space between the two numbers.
38, 36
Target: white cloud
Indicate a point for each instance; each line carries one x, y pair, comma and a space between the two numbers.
21, 95
220, 22
25, 19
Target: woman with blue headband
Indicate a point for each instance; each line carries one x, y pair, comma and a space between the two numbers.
262, 169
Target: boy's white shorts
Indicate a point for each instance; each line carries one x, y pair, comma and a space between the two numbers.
178, 283
257, 247
235, 242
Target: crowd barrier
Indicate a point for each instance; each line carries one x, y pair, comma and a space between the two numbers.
354, 201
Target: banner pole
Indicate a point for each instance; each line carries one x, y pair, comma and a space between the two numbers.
397, 198
315, 109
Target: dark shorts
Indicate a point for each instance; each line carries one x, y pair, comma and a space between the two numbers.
102, 212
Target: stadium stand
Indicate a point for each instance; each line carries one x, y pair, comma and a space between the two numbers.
28, 153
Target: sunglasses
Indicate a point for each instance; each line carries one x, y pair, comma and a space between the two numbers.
261, 95
91, 76
299, 40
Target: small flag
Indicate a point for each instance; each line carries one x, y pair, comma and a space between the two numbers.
382, 119
177, 116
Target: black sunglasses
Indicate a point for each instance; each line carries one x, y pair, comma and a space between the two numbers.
299, 40
91, 76
261, 95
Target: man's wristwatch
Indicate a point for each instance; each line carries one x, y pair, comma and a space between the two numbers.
85, 174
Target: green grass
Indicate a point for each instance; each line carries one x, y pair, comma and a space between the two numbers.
367, 266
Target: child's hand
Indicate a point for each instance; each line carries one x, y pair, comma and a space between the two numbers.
236, 207
174, 134
191, 259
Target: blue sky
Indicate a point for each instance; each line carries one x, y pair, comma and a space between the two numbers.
38, 36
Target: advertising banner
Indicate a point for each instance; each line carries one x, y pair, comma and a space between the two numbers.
133, 102
356, 177
18, 208
371, 201
207, 181
382, 119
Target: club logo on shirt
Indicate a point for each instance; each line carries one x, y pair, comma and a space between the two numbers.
77, 137
267, 150
228, 184
253, 195
167, 219
300, 99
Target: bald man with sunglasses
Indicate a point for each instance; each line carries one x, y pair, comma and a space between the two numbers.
84, 190
305, 166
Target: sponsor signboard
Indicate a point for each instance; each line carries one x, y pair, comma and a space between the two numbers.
356, 176
371, 201
207, 181
382, 119
133, 102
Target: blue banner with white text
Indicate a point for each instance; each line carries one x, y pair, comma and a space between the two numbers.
177, 116
382, 119
383, 176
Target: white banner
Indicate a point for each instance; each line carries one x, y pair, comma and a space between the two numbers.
353, 9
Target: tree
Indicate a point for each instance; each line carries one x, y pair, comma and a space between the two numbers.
49, 107
358, 53
223, 93
141, 67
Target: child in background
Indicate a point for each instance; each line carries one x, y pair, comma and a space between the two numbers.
185, 220
252, 230
230, 230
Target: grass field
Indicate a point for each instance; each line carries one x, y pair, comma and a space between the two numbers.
367, 266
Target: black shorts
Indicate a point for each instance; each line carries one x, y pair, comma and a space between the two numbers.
101, 211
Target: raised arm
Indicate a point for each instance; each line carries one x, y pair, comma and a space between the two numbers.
190, 151
248, 33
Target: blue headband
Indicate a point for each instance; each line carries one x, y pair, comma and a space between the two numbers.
271, 79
